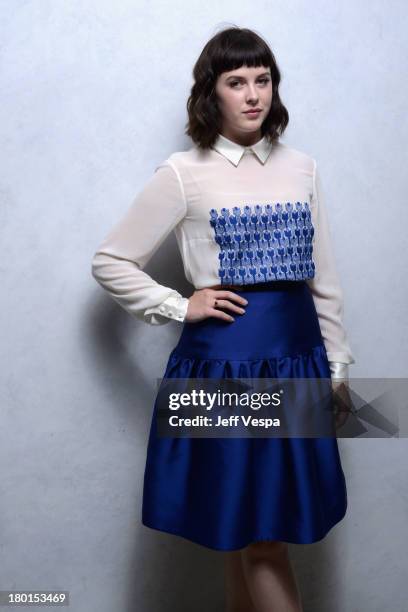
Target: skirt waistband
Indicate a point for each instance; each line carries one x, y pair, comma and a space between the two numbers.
279, 321
265, 286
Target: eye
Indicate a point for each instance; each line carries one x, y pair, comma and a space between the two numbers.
264, 80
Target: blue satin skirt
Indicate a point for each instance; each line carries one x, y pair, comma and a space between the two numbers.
224, 493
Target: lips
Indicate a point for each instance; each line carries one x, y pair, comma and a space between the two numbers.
253, 111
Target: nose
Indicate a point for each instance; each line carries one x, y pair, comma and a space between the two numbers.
252, 93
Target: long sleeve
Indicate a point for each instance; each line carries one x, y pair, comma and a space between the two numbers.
326, 288
118, 263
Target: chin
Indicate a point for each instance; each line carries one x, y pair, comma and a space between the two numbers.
255, 125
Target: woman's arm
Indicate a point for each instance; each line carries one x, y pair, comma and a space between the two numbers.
118, 263
326, 289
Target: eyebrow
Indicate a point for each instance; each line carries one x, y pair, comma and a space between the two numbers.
242, 77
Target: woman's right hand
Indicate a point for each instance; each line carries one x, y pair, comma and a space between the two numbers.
201, 304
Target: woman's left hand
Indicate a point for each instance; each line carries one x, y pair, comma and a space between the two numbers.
342, 400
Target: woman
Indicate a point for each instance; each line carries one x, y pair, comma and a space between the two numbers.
253, 234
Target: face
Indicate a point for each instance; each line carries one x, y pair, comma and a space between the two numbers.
239, 91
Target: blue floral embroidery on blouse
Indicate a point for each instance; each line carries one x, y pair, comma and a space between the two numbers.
264, 242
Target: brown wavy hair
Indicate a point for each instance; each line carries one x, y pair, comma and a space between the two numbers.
228, 50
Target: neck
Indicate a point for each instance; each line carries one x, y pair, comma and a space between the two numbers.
245, 140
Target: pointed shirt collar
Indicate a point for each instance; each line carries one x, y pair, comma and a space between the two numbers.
234, 151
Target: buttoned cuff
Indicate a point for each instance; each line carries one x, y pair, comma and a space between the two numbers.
173, 307
339, 370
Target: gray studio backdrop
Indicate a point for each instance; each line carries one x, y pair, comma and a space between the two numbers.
93, 97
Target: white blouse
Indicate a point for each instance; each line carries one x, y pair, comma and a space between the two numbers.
241, 215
